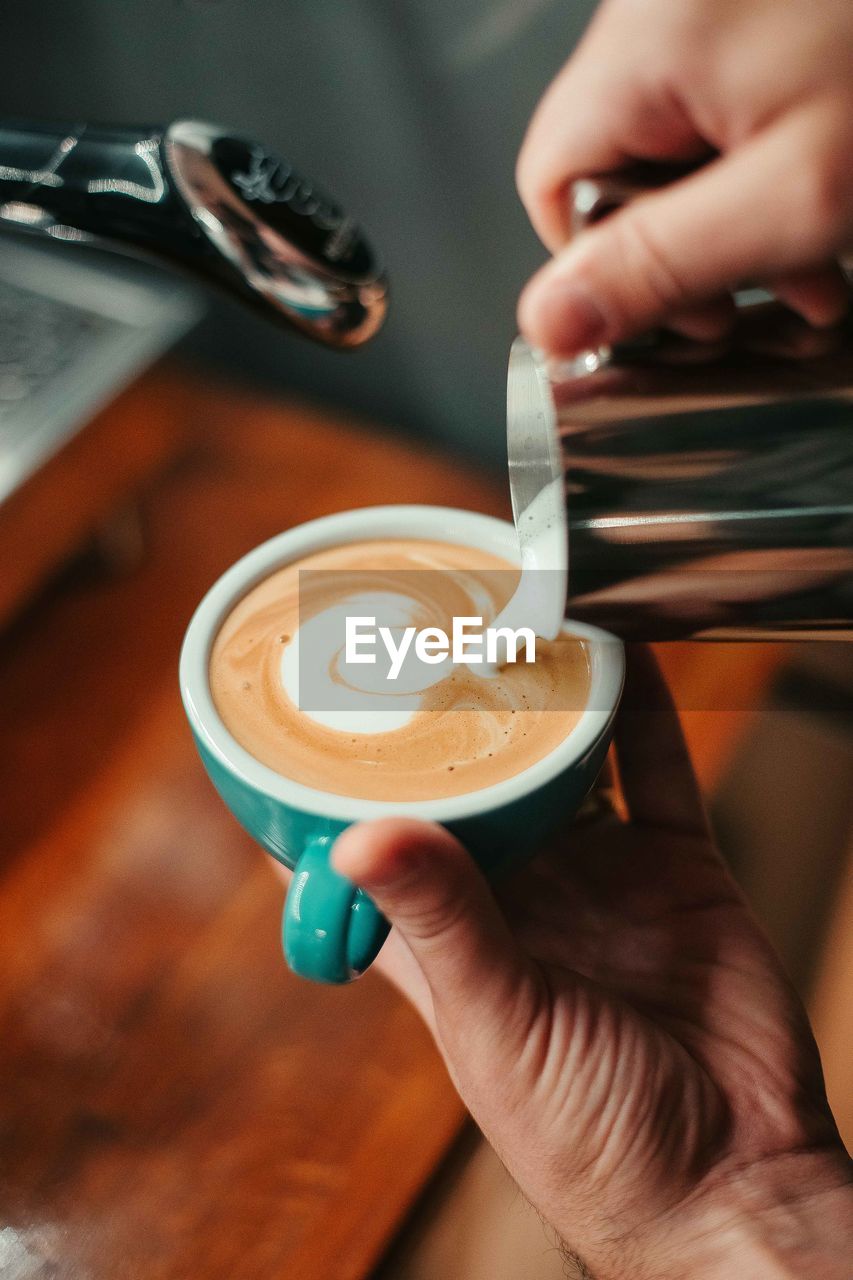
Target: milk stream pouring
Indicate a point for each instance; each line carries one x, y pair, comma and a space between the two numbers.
670, 489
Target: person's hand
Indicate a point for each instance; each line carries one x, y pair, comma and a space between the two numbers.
621, 1030
766, 87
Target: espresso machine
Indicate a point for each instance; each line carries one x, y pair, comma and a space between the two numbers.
218, 206
685, 489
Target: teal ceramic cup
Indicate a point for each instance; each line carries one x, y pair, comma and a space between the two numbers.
331, 929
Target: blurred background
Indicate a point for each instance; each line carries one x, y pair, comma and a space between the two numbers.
173, 1102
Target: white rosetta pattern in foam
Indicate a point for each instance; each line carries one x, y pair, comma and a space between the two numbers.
352, 689
433, 732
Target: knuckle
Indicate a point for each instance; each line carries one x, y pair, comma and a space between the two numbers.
532, 181
437, 918
825, 200
533, 166
523, 181
640, 269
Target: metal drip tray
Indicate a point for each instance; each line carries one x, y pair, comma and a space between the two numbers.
75, 327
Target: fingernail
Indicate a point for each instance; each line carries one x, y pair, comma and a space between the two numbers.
562, 317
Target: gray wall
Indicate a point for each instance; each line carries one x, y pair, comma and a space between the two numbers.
410, 112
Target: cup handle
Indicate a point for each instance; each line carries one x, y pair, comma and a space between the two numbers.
331, 930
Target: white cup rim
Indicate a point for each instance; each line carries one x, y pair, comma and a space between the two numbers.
607, 663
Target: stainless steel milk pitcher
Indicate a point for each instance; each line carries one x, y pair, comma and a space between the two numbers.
704, 490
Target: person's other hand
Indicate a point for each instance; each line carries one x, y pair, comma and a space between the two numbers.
620, 1028
764, 86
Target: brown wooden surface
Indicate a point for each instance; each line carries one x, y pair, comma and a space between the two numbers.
173, 1104
831, 1005
64, 501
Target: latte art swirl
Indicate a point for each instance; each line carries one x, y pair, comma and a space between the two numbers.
453, 732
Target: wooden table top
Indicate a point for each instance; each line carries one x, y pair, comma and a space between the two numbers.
174, 1104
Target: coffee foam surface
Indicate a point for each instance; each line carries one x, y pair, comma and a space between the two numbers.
447, 735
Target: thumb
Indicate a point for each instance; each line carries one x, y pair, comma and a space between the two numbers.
432, 892
743, 217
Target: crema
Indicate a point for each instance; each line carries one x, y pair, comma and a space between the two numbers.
463, 732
